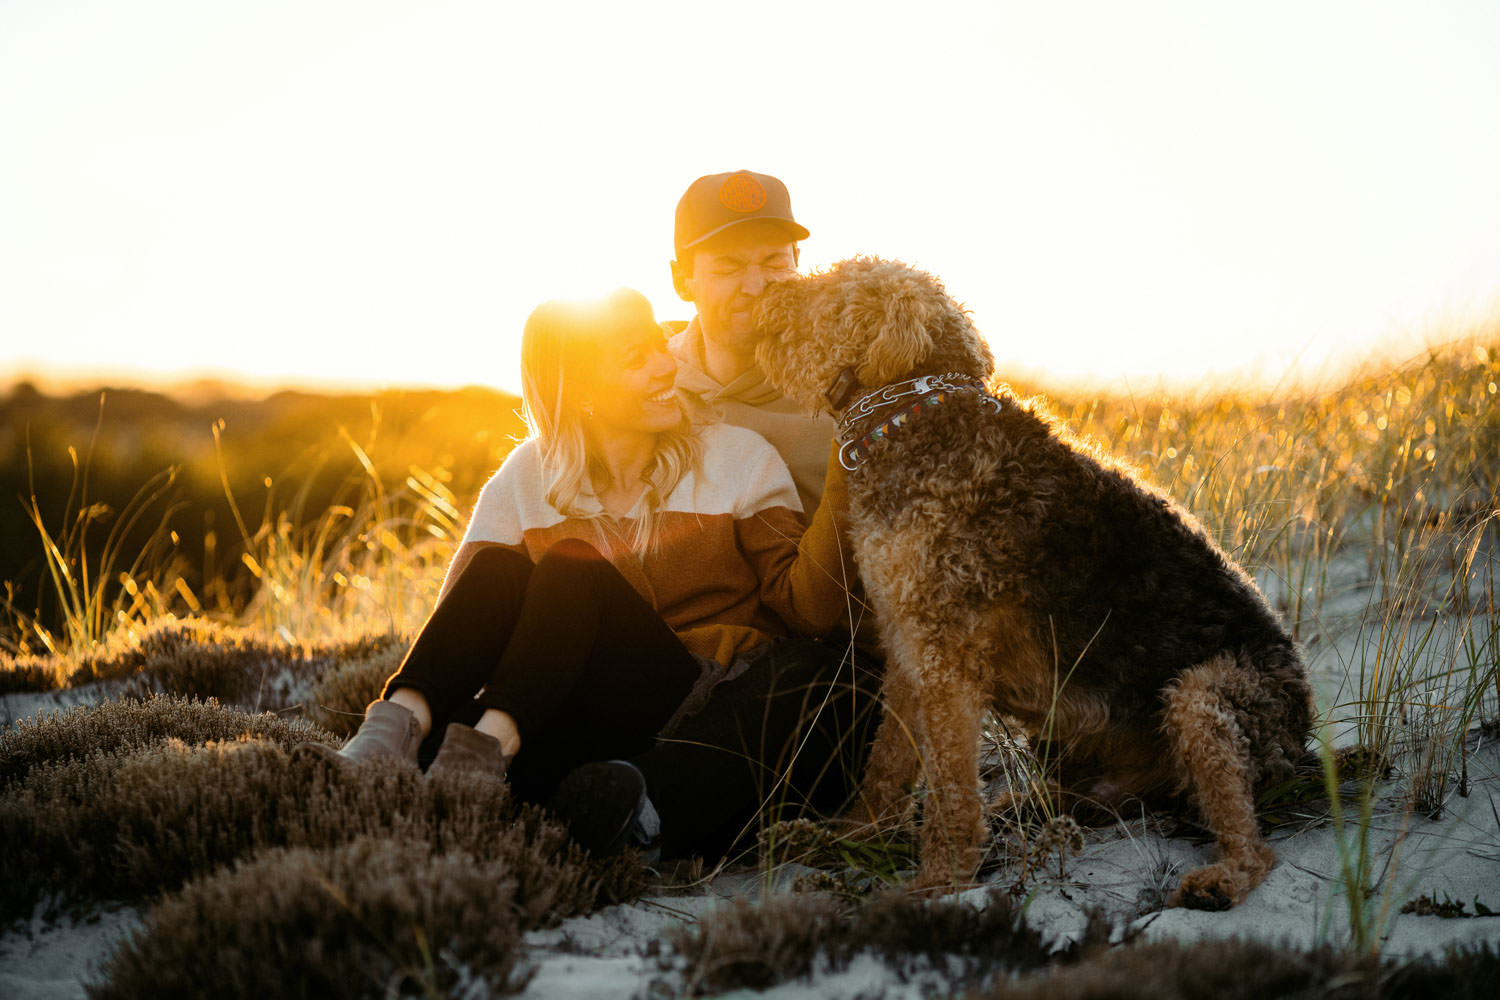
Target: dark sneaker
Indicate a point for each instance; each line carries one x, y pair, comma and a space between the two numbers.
602, 805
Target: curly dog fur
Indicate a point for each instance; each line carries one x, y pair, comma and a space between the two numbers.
1012, 568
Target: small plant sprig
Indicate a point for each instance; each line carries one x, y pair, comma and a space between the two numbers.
1428, 905
1367, 905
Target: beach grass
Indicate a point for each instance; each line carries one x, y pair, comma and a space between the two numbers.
1369, 511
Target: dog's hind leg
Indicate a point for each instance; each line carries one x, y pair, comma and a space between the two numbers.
1213, 757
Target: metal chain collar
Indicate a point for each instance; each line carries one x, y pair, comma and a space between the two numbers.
897, 391
929, 390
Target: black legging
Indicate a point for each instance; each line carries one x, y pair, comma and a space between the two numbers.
566, 647
589, 671
787, 737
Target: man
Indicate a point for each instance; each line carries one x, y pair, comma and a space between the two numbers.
735, 232
787, 731
791, 731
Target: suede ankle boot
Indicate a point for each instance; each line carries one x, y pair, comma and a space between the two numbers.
389, 731
467, 749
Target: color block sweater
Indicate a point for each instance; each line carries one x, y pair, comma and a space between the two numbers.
733, 566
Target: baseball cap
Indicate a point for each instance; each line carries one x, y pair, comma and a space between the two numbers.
717, 202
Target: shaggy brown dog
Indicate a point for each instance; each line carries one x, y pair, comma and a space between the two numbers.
1012, 568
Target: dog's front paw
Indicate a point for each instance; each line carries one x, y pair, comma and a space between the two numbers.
946, 868
1212, 887
938, 882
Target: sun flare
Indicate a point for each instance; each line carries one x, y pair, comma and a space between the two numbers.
362, 194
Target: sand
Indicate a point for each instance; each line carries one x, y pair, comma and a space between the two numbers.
1301, 903
1122, 869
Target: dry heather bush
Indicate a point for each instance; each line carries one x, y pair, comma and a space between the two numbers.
273, 682
121, 727
1246, 970
26, 673
991, 953
371, 918
198, 658
113, 826
337, 700
182, 646
1225, 970
758, 945
1467, 973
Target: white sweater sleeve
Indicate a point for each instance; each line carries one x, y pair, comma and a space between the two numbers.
500, 512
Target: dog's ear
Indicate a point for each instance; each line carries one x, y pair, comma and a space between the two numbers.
902, 340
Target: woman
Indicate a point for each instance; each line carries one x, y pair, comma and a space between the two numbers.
621, 557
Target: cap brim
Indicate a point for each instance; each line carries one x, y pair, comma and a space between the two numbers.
798, 231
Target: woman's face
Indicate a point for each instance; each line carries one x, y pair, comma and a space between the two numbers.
634, 385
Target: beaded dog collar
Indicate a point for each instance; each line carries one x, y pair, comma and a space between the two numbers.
929, 391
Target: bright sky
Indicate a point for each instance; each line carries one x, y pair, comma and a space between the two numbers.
379, 192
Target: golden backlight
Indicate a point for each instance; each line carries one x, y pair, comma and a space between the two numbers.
354, 193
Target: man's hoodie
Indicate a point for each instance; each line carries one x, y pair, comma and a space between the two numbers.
803, 441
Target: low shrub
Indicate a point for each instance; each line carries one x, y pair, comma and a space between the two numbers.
127, 653
371, 918
121, 727
989, 953
243, 669
129, 825
23, 674
199, 658
1248, 970
1465, 973
758, 945
1225, 970
338, 698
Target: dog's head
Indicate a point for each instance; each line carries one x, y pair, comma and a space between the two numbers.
883, 320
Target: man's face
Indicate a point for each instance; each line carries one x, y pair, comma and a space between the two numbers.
729, 271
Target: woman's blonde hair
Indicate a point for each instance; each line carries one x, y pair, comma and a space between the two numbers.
559, 362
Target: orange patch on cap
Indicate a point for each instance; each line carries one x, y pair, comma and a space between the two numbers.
742, 193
